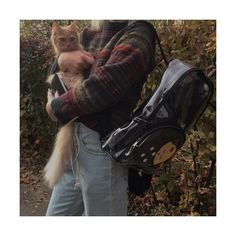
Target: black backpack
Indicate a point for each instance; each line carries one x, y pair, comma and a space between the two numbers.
158, 128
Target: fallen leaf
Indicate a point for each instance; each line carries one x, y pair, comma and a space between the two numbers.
25, 180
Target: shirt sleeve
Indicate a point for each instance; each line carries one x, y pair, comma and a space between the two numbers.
132, 57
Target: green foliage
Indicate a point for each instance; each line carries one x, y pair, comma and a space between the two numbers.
184, 186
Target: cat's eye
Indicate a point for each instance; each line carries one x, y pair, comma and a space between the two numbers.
62, 39
72, 39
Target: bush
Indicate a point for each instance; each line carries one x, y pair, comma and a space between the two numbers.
36, 129
186, 185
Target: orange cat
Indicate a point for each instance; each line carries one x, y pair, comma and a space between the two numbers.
66, 39
63, 39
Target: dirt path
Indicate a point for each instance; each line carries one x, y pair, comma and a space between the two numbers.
34, 196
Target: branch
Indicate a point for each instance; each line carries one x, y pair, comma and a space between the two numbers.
211, 171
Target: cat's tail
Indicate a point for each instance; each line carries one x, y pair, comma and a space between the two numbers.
63, 149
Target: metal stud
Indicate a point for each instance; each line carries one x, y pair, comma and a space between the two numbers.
152, 148
143, 155
145, 160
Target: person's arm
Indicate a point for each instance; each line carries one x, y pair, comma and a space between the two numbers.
132, 57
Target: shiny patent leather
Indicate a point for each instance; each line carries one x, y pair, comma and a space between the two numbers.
158, 129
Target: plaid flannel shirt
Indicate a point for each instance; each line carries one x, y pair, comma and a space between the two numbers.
124, 55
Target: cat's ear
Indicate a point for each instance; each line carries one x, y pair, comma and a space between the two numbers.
55, 25
73, 25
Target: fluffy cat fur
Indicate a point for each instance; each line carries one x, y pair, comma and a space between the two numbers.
63, 39
63, 149
66, 39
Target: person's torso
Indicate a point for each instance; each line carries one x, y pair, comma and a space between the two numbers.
101, 44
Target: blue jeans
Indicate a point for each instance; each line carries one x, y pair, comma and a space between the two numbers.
92, 184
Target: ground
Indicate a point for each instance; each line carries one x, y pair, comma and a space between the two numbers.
34, 196
178, 189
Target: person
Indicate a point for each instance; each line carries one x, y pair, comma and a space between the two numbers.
124, 52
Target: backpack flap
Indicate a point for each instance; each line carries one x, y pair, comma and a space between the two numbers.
169, 80
182, 96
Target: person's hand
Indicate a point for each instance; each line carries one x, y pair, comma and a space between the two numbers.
75, 62
50, 97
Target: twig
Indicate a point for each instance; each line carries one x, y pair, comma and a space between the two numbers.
194, 156
211, 171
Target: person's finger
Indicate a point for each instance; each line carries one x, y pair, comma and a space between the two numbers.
50, 91
89, 58
50, 99
50, 95
56, 94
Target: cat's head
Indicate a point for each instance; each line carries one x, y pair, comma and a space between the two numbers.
66, 38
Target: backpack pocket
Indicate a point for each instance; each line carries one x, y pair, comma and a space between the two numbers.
155, 146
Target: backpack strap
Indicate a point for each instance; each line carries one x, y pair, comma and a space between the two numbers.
161, 49
140, 108
157, 40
